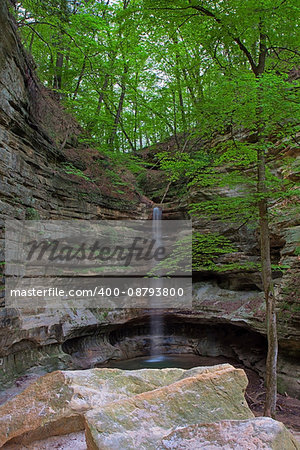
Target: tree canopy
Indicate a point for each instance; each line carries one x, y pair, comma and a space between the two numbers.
135, 72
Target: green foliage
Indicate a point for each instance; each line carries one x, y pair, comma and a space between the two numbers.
134, 73
281, 267
118, 164
181, 164
235, 209
71, 170
179, 259
206, 249
32, 214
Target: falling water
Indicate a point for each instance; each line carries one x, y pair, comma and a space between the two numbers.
157, 215
156, 319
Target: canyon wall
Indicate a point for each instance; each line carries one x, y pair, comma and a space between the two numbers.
39, 143
38, 146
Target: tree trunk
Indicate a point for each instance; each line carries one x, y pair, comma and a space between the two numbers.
80, 78
178, 82
258, 69
101, 96
180, 95
271, 321
120, 107
57, 82
190, 88
175, 120
140, 138
271, 362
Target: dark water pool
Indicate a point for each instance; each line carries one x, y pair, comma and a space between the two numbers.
185, 361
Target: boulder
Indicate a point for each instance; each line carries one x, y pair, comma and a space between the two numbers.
203, 407
259, 433
56, 403
210, 394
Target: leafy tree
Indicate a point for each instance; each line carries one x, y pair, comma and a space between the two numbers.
251, 42
126, 80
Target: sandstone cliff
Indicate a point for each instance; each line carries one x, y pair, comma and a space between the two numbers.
38, 143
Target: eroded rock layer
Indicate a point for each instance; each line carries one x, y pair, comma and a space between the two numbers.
38, 140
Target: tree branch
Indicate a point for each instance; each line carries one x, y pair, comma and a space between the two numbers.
285, 49
41, 38
62, 30
236, 39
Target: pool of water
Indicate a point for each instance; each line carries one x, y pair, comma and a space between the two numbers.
186, 361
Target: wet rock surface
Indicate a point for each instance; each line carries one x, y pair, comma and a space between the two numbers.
222, 323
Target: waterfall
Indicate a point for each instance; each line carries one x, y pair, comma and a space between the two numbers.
156, 319
157, 215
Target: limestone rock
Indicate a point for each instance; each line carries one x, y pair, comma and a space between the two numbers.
259, 433
56, 402
141, 421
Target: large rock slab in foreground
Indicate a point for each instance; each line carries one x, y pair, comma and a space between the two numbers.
148, 409
144, 419
56, 403
259, 433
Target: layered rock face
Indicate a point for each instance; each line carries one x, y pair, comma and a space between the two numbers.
38, 145
37, 142
146, 409
231, 290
